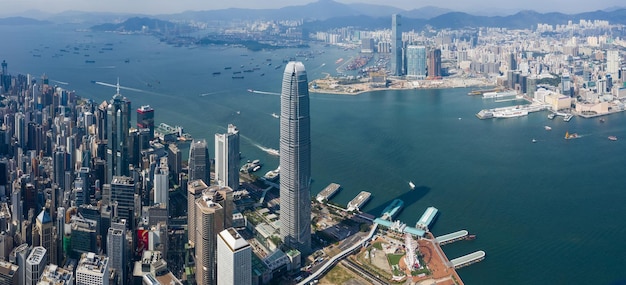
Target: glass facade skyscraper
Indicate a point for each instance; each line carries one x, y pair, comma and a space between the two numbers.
416, 62
295, 159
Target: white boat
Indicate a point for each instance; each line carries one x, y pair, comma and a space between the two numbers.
272, 174
548, 128
411, 185
275, 115
534, 140
510, 113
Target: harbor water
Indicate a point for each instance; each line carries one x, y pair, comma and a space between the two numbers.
550, 212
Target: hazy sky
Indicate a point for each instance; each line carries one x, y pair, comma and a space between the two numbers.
174, 6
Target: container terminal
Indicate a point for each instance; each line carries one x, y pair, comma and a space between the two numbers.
328, 192
359, 201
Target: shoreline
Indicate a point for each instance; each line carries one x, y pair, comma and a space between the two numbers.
334, 86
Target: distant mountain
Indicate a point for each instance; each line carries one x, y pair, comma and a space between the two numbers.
375, 10
427, 12
20, 21
90, 18
137, 24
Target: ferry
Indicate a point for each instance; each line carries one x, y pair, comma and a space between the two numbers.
569, 136
548, 128
487, 95
612, 138
533, 140
551, 116
510, 113
568, 117
411, 185
275, 115
272, 174
339, 61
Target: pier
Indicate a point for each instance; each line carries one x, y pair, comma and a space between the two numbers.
427, 218
511, 111
359, 201
328, 192
466, 260
452, 237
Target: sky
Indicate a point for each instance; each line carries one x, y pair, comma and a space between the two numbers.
175, 6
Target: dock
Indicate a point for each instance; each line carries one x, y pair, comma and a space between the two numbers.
468, 259
511, 111
452, 237
427, 218
359, 201
328, 192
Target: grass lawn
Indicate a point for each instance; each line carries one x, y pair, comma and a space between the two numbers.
337, 275
394, 259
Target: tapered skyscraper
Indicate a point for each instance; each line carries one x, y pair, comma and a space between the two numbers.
295, 159
118, 116
199, 164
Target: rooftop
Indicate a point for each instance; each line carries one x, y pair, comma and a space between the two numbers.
232, 238
56, 275
91, 262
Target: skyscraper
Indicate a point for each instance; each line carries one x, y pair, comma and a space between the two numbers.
199, 161
118, 124
227, 158
416, 62
434, 64
396, 49
123, 192
35, 264
145, 119
612, 62
210, 222
295, 159
234, 259
194, 191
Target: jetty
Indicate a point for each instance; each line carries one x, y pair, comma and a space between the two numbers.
452, 237
359, 201
328, 192
468, 259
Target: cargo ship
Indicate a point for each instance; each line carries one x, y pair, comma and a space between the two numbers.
392, 210
359, 201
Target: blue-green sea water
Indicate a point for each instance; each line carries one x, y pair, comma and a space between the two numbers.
550, 212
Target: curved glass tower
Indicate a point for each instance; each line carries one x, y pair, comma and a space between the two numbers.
295, 159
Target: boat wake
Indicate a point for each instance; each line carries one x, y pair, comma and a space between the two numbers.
60, 82
263, 92
270, 151
121, 87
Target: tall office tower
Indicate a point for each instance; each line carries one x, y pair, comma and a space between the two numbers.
295, 159
174, 160
123, 192
512, 62
18, 256
5, 79
222, 195
234, 259
199, 165
416, 62
209, 223
161, 183
566, 84
43, 225
434, 64
20, 129
145, 119
194, 191
612, 62
92, 269
8, 273
118, 124
35, 264
531, 86
396, 49
227, 158
116, 247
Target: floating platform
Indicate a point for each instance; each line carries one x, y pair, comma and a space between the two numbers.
328, 192
359, 201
